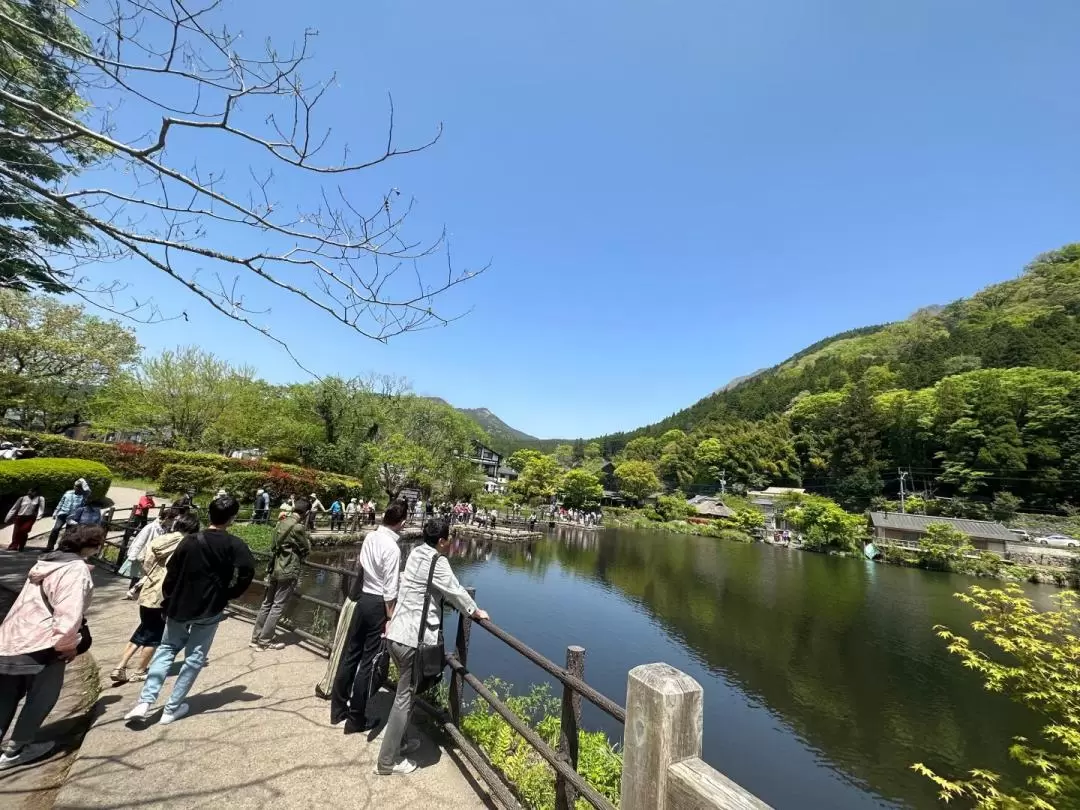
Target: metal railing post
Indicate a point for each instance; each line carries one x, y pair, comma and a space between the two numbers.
461, 649
565, 793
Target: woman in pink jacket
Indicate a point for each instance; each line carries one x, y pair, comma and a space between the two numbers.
43, 631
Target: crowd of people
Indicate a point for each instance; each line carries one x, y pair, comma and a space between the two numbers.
182, 574
76, 507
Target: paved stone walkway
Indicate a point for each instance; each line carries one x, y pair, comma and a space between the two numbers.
256, 737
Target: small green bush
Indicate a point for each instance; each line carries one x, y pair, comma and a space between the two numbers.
187, 478
52, 477
243, 485
722, 532
599, 761
652, 514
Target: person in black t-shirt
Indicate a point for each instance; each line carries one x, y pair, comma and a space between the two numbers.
204, 573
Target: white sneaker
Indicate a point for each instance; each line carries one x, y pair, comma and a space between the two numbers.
410, 746
27, 753
139, 712
181, 710
401, 768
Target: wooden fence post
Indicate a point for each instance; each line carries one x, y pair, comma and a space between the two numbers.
565, 793
663, 726
461, 649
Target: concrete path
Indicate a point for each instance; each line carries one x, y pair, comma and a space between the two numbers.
256, 737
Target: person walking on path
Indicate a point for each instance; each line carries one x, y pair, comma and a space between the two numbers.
148, 634
404, 632
371, 512
375, 593
89, 514
195, 592
132, 567
337, 515
43, 631
290, 547
262, 506
69, 502
351, 512
24, 513
316, 507
140, 514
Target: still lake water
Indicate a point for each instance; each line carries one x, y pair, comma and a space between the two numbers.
823, 678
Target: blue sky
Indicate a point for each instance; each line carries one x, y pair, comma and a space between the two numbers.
674, 194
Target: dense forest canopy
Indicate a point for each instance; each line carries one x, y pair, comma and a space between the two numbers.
972, 399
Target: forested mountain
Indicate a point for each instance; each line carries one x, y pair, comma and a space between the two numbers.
501, 433
977, 397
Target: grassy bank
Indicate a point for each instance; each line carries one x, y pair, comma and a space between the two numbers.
637, 519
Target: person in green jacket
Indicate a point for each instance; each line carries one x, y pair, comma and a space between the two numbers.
291, 545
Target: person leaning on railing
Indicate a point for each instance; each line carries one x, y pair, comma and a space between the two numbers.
403, 633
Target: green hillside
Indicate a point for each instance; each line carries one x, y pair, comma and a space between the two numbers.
1029, 321
978, 401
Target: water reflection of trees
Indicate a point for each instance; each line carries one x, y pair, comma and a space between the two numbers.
860, 675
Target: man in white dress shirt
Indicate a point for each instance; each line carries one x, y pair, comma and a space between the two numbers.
375, 593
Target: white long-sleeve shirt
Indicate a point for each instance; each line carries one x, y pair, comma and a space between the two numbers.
147, 533
27, 506
380, 557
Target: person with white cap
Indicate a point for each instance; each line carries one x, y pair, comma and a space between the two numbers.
69, 502
316, 507
262, 506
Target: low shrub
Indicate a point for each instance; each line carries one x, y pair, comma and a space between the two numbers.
187, 478
52, 477
723, 532
598, 760
128, 460
243, 485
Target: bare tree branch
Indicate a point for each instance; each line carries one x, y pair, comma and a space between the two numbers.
190, 223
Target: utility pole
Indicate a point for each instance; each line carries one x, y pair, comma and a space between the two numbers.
723, 483
903, 475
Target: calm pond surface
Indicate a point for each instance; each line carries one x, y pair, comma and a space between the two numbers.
823, 678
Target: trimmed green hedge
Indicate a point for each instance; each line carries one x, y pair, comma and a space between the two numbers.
187, 478
241, 477
52, 476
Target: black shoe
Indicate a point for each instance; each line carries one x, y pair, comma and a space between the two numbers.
359, 728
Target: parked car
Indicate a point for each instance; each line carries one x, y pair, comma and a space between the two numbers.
1022, 534
1059, 541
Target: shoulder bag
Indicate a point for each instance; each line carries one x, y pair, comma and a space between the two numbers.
430, 658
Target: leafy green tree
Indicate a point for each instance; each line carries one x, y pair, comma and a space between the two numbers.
419, 441
34, 69
855, 463
53, 357
564, 455
580, 489
538, 480
1005, 506
749, 520
643, 448
823, 523
521, 458
1036, 664
943, 546
593, 451
179, 395
637, 479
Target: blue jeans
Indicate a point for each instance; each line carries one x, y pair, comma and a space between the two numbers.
194, 639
